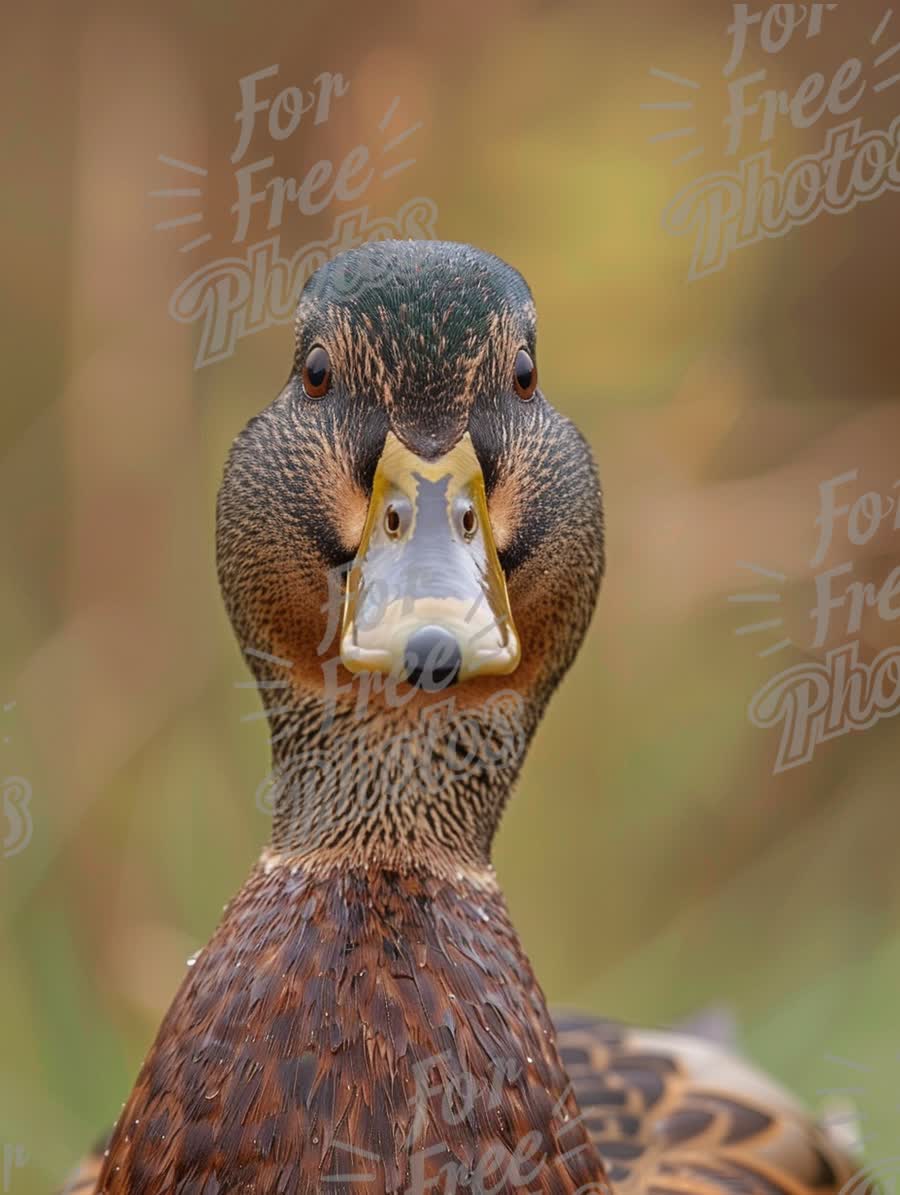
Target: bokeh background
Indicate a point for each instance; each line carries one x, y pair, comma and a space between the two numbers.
654, 863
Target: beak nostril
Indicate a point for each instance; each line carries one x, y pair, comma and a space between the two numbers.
392, 522
432, 660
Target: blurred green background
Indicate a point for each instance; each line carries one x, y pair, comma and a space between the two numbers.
653, 862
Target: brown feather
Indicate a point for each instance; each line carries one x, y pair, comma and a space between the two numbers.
669, 1112
354, 1022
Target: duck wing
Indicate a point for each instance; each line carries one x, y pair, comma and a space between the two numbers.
673, 1114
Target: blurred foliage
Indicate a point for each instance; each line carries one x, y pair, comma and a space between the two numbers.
653, 862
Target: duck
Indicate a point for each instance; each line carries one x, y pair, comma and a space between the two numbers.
410, 548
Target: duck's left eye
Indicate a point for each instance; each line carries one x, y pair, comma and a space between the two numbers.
525, 376
317, 372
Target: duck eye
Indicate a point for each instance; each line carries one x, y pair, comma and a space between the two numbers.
525, 375
316, 372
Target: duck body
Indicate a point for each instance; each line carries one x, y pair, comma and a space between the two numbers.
377, 1025
364, 1017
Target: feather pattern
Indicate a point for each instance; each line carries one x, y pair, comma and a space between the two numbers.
379, 1024
671, 1113
364, 1018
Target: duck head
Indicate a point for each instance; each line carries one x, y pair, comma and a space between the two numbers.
409, 529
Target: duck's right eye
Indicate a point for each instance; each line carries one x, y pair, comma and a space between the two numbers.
524, 376
317, 372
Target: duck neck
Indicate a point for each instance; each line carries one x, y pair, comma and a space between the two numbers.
420, 786
365, 1003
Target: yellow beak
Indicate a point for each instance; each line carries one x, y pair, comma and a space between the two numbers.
426, 598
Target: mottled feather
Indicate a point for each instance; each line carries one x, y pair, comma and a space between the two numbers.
364, 1017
